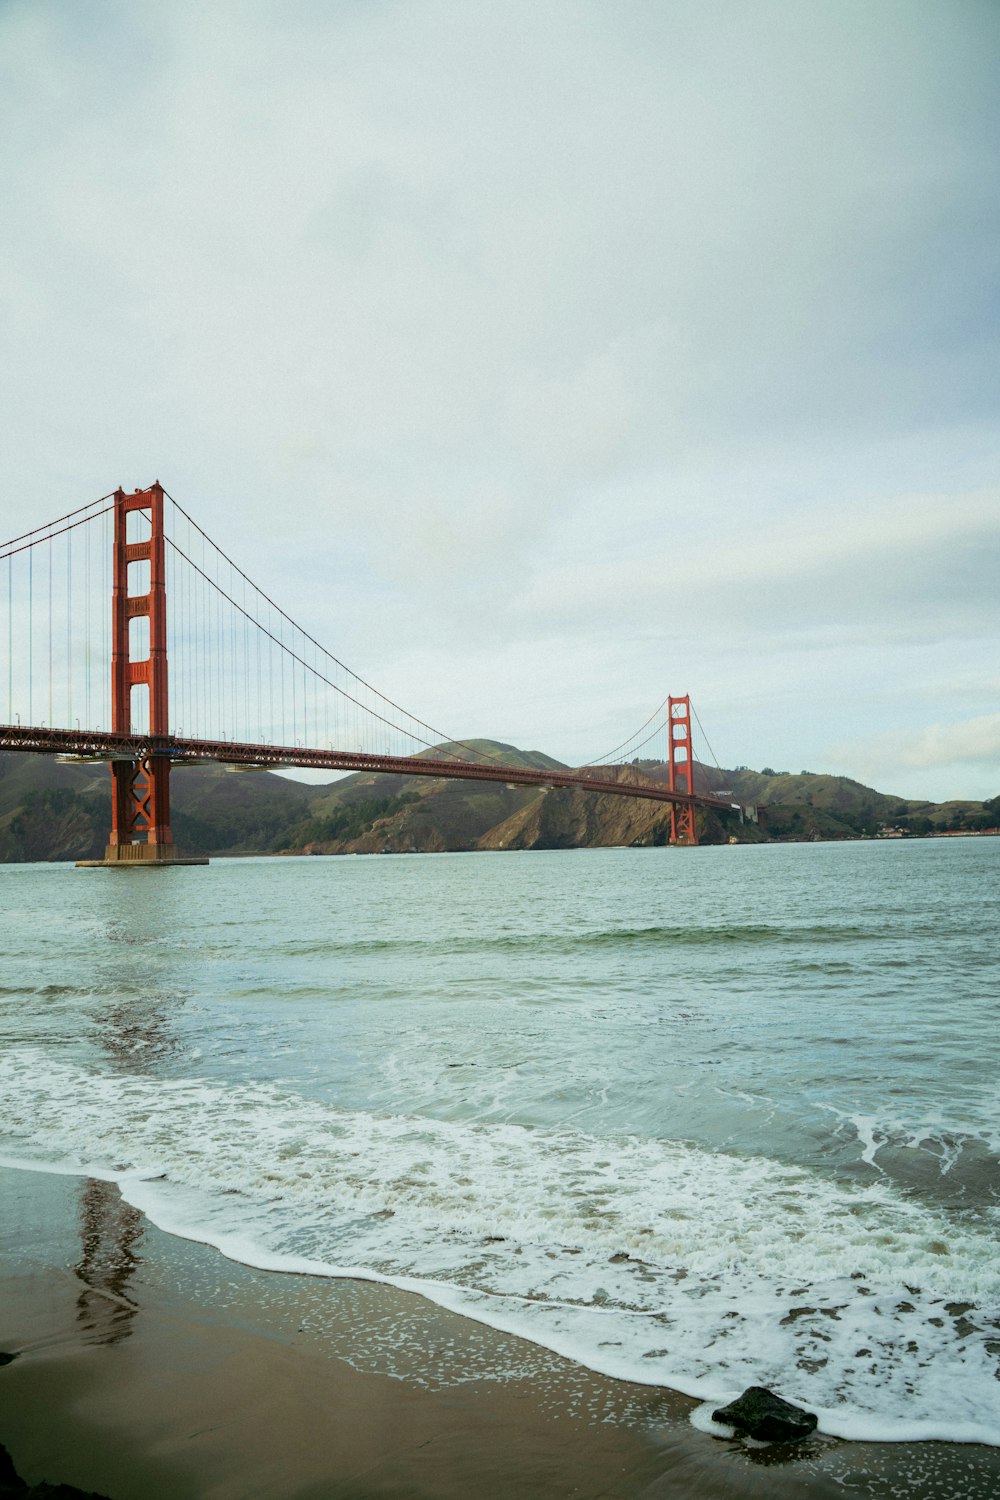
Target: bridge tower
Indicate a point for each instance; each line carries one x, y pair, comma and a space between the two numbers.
683, 817
140, 787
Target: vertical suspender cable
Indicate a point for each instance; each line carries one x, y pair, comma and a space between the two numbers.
182, 625
219, 649
187, 628
234, 657
31, 635
51, 550
105, 624
199, 635
239, 637
185, 634
10, 640
293, 675
257, 639
230, 707
229, 648
86, 627
69, 630
205, 637
246, 735
240, 634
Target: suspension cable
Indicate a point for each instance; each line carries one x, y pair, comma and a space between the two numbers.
8, 549
646, 741
484, 754
295, 657
604, 759
84, 514
37, 529
705, 737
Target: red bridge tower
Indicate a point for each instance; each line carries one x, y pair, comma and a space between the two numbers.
683, 815
140, 787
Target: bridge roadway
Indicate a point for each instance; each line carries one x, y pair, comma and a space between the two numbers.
93, 744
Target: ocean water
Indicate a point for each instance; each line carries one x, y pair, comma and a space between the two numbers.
695, 1118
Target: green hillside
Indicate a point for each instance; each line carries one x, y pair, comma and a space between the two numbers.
53, 811
493, 750
364, 814
50, 810
808, 805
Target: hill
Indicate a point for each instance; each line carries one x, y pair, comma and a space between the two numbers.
408, 814
52, 811
810, 805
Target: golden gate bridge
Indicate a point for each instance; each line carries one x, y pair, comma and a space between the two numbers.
90, 638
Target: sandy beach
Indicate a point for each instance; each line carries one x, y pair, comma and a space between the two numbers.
149, 1367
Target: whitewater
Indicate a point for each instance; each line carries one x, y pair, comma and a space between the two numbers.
693, 1118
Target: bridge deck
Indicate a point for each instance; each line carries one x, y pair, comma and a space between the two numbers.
98, 745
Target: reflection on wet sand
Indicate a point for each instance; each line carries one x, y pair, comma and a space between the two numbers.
134, 1031
111, 1231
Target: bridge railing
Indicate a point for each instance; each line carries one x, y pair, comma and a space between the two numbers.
100, 745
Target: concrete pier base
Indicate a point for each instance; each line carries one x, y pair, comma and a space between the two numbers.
140, 857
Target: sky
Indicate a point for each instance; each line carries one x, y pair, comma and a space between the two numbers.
542, 359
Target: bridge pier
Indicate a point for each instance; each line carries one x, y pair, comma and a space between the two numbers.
138, 857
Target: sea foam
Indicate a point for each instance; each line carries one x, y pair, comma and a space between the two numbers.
648, 1260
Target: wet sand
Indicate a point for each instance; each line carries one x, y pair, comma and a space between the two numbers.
149, 1368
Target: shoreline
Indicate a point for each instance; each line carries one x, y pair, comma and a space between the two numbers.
152, 1368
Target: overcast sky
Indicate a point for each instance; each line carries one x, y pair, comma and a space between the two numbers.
542, 358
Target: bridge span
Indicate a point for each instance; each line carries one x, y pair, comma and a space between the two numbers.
264, 694
91, 745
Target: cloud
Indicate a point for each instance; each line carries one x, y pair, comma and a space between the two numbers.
520, 236
578, 344
938, 761
902, 569
974, 742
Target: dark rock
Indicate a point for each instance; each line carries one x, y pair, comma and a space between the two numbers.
759, 1413
45, 1491
9, 1482
15, 1488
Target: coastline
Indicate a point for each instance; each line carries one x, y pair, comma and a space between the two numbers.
152, 1368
